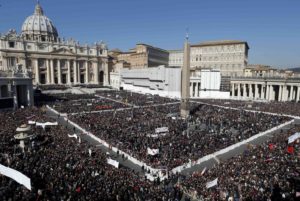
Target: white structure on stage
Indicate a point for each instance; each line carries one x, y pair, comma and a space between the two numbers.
161, 80
207, 85
166, 81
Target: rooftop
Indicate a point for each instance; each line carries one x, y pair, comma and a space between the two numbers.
220, 42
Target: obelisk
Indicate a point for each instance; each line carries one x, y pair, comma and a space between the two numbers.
185, 81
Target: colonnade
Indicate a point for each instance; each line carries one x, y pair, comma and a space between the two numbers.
67, 71
272, 91
195, 89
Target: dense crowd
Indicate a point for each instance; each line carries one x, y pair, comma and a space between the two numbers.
52, 87
288, 108
86, 105
60, 168
135, 98
210, 129
43, 99
269, 171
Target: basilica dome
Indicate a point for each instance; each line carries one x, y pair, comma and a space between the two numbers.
39, 27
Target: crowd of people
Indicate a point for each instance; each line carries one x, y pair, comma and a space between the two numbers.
287, 108
86, 105
61, 168
269, 171
209, 129
64, 168
135, 98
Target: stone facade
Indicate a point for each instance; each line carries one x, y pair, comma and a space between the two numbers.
230, 57
16, 89
142, 56
50, 59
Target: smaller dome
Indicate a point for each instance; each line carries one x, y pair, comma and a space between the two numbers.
38, 26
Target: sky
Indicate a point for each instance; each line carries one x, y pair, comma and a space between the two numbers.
271, 27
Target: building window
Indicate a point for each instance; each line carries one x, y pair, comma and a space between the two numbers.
11, 44
0, 63
28, 47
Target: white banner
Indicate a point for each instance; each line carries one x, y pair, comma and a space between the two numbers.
162, 130
212, 183
74, 136
31, 122
113, 162
152, 152
46, 124
156, 135
294, 137
16, 175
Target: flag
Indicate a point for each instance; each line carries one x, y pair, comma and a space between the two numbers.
212, 183
203, 171
290, 149
113, 162
271, 146
293, 138
152, 152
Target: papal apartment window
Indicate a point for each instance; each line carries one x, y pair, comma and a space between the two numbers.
28, 47
11, 44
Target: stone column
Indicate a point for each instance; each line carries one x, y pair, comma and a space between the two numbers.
37, 71
191, 89
197, 90
272, 97
256, 93
15, 96
58, 72
106, 74
48, 72
298, 94
239, 90
284, 93
268, 92
294, 93
69, 72
250, 91
29, 95
52, 72
280, 93
96, 72
262, 91
75, 71
244, 91
87, 72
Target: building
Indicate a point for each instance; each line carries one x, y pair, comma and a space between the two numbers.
166, 81
16, 89
265, 88
229, 56
50, 59
142, 56
266, 71
161, 80
175, 58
